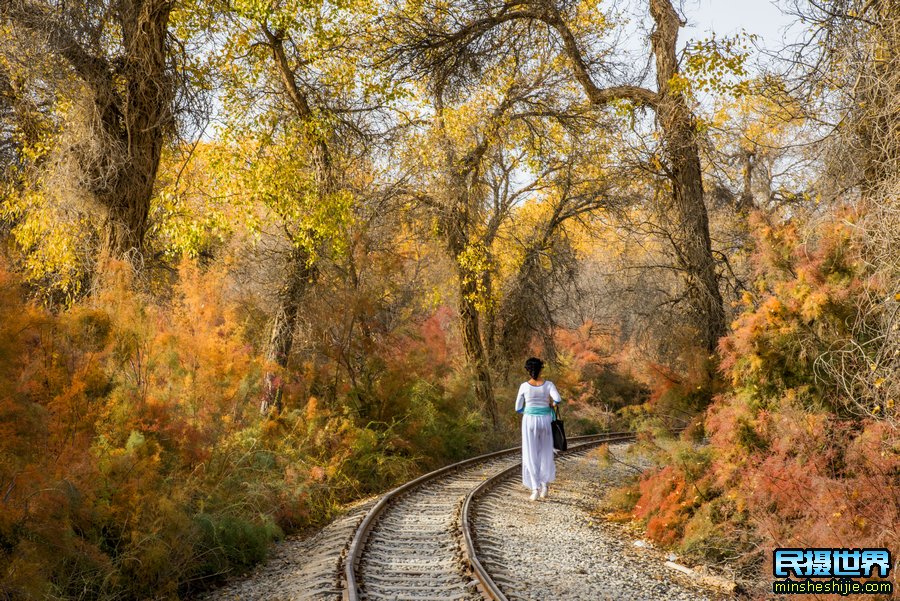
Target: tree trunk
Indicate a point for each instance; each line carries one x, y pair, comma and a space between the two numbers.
147, 109
133, 125
299, 270
491, 341
455, 218
127, 200
124, 227
281, 339
876, 93
131, 97
484, 389
745, 203
455, 226
689, 219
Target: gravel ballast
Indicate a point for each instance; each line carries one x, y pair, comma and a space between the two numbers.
550, 550
556, 549
299, 568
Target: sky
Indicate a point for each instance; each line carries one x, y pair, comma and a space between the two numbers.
726, 17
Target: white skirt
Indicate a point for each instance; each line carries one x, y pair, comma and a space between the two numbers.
537, 451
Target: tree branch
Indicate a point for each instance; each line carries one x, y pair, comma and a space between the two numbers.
93, 70
298, 99
598, 96
550, 16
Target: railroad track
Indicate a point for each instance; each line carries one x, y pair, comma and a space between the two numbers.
417, 542
487, 569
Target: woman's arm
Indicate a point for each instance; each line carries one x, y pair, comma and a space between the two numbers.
554, 394
520, 400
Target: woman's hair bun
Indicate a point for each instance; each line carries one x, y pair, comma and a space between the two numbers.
534, 366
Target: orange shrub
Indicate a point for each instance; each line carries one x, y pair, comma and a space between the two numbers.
787, 464
134, 462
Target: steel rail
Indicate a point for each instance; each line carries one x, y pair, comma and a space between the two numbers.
488, 587
357, 544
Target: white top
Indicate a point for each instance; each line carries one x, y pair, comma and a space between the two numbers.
536, 396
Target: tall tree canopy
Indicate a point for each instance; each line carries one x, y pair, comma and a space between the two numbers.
456, 41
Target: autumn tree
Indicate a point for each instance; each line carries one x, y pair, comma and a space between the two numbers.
483, 157
575, 188
297, 89
846, 67
126, 62
759, 153
460, 39
467, 221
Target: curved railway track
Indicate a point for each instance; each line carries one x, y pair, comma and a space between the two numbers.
417, 543
489, 571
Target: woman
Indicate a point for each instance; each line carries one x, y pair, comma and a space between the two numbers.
538, 469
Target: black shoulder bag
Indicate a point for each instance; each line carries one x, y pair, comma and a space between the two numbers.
559, 431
